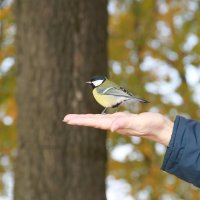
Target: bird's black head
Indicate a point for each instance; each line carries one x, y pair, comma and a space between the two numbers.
95, 81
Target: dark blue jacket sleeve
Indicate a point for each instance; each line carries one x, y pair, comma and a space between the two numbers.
182, 157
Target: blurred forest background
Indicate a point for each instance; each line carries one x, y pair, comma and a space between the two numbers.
153, 51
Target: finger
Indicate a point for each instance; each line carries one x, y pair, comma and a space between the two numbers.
96, 116
102, 121
94, 121
71, 116
68, 117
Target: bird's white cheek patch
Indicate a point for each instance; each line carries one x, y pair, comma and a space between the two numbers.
97, 82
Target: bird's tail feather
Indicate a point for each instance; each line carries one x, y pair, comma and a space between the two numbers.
140, 99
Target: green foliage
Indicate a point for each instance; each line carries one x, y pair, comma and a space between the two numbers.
154, 51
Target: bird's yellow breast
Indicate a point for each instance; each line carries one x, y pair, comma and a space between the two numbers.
104, 100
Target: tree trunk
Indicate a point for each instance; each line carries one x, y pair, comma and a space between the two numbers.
60, 45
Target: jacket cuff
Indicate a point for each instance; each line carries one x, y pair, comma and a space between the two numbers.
182, 155
170, 156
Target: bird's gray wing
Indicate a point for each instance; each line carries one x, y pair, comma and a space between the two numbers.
120, 92
115, 91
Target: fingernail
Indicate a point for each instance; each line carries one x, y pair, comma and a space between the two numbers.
66, 118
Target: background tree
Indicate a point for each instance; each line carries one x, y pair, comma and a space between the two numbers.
60, 45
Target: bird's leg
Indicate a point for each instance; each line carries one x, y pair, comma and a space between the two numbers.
117, 106
104, 111
117, 109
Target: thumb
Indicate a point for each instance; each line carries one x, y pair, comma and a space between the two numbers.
118, 123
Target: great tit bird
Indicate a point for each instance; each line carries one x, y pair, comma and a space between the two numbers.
110, 95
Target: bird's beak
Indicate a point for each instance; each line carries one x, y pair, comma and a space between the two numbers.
88, 82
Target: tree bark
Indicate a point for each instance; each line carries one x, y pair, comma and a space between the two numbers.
60, 45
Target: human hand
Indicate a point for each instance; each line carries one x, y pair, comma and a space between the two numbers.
153, 126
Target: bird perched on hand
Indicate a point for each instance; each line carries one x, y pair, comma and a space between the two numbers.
110, 95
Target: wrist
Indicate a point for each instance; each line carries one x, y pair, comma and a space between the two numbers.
164, 135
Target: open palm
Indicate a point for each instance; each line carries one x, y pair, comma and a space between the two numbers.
149, 125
